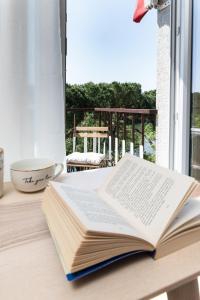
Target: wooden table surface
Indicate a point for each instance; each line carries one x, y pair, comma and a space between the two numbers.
30, 268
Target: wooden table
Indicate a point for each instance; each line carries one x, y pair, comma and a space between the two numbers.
30, 268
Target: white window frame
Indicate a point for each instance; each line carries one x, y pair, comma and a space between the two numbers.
181, 45
63, 29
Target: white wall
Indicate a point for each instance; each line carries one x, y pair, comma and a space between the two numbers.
163, 88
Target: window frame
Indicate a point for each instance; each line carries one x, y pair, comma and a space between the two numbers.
181, 81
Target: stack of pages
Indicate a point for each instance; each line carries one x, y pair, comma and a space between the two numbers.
139, 207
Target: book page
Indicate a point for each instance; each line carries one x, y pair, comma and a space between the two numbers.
145, 194
93, 212
190, 211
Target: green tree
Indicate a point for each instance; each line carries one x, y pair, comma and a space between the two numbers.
113, 94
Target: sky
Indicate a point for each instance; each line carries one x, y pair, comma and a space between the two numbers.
196, 44
105, 45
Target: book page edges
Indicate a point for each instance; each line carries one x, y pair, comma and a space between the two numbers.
178, 243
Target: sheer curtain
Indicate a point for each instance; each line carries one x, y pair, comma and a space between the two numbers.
31, 83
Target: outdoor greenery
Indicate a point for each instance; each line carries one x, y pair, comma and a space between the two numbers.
115, 94
196, 110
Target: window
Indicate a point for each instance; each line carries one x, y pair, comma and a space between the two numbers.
195, 97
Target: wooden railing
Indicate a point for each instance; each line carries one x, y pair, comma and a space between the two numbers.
126, 127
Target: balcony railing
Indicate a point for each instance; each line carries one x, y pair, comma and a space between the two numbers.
130, 130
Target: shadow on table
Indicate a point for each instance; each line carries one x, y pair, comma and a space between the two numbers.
116, 266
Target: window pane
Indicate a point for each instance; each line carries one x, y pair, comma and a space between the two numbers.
195, 117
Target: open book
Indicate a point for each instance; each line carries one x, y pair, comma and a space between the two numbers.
139, 207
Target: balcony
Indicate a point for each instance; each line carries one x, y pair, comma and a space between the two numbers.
129, 130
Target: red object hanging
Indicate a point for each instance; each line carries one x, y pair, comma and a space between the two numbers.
140, 11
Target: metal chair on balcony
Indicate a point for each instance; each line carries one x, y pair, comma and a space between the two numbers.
78, 161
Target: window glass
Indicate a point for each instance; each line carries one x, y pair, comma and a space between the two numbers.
195, 111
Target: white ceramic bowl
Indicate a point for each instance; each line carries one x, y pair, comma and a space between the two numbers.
32, 175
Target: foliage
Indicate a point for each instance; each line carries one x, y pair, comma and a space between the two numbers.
113, 94
88, 120
196, 110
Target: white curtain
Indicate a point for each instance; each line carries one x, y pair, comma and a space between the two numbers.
31, 83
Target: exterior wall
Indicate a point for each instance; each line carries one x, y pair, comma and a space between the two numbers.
163, 88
